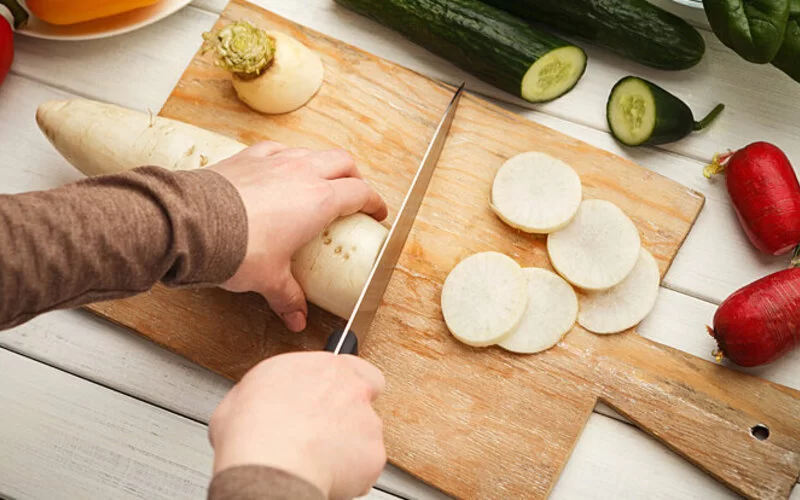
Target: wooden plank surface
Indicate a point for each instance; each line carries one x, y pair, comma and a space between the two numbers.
419, 441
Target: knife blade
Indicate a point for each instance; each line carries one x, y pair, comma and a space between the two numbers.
346, 341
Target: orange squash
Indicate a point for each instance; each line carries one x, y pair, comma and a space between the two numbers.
78, 11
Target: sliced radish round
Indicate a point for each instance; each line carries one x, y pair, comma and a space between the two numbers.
536, 193
625, 305
551, 311
597, 249
483, 298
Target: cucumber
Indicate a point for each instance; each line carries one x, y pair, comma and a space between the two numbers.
634, 29
642, 113
487, 42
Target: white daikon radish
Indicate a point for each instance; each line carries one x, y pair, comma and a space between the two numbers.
551, 312
334, 267
99, 138
272, 72
597, 249
483, 298
625, 305
536, 193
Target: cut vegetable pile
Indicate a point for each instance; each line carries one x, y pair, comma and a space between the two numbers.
488, 299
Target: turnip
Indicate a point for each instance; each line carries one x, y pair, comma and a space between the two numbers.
550, 313
760, 323
484, 298
333, 268
625, 305
272, 72
765, 193
99, 138
536, 193
597, 249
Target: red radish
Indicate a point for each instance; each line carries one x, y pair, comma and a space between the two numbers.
765, 193
11, 16
760, 322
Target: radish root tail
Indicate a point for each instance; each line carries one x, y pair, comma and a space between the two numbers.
717, 165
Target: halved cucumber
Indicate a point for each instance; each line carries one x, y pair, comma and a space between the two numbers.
488, 42
642, 113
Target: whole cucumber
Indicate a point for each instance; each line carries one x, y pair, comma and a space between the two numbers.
490, 43
634, 29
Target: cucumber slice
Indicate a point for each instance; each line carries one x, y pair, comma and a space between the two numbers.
554, 74
642, 113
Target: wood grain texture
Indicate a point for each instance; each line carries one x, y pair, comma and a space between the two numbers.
451, 410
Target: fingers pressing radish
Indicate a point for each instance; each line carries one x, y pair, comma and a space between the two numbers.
597, 249
550, 313
484, 298
272, 72
99, 138
625, 305
765, 193
760, 322
536, 193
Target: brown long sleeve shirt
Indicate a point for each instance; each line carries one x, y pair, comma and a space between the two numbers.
115, 236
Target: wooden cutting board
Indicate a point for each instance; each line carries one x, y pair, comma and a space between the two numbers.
477, 423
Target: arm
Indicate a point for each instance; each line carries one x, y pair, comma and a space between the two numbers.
111, 237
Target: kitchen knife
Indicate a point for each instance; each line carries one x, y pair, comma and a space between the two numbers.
346, 341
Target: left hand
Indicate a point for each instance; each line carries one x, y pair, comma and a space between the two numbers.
290, 196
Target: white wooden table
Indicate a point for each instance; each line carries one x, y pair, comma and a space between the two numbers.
90, 410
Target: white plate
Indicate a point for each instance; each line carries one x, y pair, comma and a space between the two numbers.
106, 27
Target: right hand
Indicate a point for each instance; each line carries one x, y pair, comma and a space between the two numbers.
309, 414
290, 196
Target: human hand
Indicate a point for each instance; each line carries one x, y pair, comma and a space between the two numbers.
290, 196
309, 414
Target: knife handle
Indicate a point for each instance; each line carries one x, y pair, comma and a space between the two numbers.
350, 345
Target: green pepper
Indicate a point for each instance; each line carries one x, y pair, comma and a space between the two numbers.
788, 58
754, 29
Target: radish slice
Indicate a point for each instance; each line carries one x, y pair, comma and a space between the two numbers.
483, 298
598, 249
536, 193
625, 305
551, 313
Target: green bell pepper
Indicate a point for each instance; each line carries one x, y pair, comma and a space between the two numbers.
788, 58
754, 29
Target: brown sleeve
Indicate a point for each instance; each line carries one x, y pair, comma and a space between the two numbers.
114, 236
257, 482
